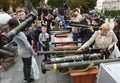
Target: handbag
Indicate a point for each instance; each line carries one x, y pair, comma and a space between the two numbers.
36, 73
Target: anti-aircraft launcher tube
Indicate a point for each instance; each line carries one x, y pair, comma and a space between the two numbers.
7, 37
77, 24
75, 58
5, 52
59, 32
66, 48
70, 42
64, 53
68, 65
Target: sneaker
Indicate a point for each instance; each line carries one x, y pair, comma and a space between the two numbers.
31, 79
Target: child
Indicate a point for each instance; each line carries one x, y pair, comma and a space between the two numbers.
44, 41
35, 35
38, 31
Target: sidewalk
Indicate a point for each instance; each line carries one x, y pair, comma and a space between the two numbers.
15, 75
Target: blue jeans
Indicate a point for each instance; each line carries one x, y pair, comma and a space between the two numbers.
39, 46
75, 37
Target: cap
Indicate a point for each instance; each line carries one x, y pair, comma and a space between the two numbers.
89, 12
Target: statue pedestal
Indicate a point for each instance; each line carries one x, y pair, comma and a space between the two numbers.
88, 76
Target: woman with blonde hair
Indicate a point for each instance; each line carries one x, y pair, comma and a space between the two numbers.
104, 39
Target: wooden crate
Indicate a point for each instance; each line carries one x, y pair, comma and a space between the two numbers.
88, 76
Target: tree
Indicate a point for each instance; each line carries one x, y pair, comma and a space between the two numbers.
19, 3
4, 4
92, 3
55, 3
80, 3
84, 4
37, 3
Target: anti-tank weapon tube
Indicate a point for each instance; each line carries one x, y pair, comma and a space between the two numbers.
5, 52
66, 48
57, 52
7, 37
63, 53
47, 67
59, 32
70, 42
77, 24
75, 58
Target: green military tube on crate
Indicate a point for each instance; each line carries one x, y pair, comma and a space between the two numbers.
73, 58
71, 65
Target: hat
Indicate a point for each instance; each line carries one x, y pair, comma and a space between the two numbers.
89, 12
105, 26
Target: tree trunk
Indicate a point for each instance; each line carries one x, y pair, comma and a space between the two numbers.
29, 7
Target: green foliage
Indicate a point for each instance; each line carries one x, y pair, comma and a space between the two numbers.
55, 3
17, 3
92, 3
70, 3
112, 13
85, 4
37, 3
78, 3
4, 4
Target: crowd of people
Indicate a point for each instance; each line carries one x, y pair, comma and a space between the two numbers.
37, 35
103, 37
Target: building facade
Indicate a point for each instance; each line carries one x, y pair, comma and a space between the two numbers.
99, 5
111, 5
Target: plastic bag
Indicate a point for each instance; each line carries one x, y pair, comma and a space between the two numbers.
115, 53
36, 73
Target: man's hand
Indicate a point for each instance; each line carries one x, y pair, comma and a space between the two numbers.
110, 47
91, 29
43, 45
